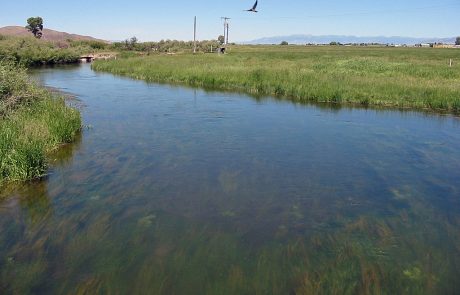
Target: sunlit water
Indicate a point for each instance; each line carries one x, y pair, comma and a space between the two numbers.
171, 190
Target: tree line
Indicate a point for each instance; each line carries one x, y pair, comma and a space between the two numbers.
166, 46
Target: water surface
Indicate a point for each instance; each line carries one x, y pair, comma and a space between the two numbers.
172, 190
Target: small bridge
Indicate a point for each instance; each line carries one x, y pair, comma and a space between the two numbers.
86, 58
91, 57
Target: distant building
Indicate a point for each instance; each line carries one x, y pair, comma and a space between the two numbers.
444, 46
424, 45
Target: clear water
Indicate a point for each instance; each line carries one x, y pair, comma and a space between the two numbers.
172, 190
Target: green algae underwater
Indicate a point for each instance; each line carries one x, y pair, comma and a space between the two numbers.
173, 190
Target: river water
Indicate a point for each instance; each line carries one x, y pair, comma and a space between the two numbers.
173, 190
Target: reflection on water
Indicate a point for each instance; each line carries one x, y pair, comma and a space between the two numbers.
181, 191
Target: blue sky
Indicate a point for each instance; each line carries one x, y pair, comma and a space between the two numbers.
155, 20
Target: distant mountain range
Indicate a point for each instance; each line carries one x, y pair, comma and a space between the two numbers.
48, 35
326, 39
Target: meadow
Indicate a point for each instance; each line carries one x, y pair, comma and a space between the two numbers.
416, 78
32, 123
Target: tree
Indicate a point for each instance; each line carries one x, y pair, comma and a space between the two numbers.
221, 39
131, 43
284, 43
35, 26
457, 42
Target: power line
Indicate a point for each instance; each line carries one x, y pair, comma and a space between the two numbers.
194, 35
226, 19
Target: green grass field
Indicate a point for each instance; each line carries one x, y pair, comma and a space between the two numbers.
418, 78
32, 123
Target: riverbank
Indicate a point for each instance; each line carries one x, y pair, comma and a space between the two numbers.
33, 123
375, 76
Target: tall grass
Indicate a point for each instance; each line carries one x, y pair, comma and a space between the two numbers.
32, 123
394, 77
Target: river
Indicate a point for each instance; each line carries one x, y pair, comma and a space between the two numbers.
174, 190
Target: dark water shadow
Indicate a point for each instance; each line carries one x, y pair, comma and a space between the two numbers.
63, 155
32, 195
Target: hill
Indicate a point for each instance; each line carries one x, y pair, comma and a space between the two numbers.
48, 35
325, 39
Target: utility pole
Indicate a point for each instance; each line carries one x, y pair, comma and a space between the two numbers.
194, 36
225, 28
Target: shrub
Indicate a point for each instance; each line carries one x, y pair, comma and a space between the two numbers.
30, 52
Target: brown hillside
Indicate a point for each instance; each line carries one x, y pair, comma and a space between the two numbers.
48, 35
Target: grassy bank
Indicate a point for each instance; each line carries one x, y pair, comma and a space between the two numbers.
32, 123
393, 77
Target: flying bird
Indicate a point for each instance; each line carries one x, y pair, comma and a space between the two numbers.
253, 9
